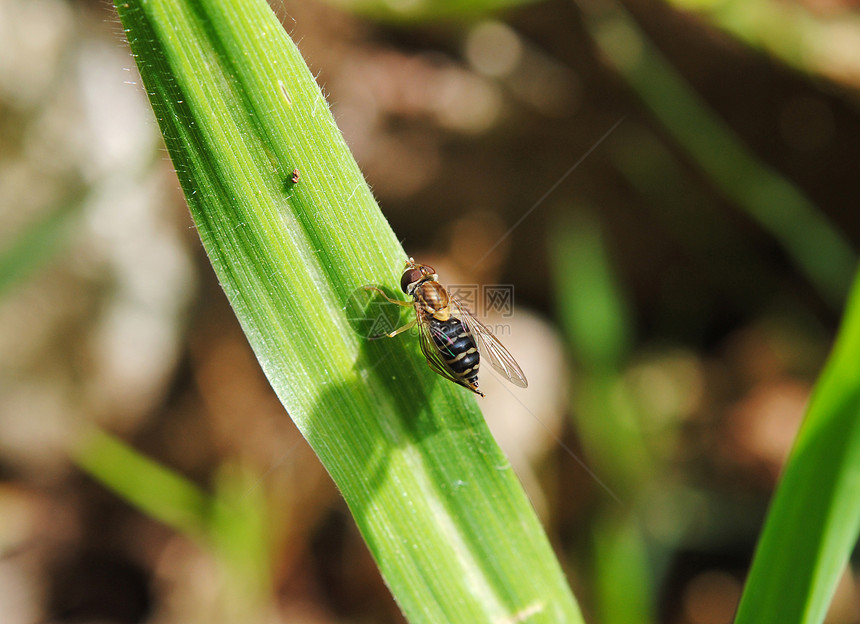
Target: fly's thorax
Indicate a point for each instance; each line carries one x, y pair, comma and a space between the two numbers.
433, 298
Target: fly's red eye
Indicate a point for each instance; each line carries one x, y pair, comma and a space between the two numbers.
427, 270
409, 277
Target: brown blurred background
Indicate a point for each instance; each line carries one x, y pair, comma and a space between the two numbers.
469, 129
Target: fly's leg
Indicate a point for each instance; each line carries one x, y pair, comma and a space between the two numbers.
399, 330
386, 297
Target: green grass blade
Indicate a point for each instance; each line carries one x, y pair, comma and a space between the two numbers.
814, 519
149, 486
592, 308
596, 320
38, 244
437, 502
231, 523
238, 531
623, 570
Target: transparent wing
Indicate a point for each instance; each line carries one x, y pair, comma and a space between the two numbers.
490, 348
434, 360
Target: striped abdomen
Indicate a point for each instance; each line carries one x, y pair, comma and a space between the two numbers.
457, 348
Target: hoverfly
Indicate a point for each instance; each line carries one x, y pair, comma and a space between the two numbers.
451, 338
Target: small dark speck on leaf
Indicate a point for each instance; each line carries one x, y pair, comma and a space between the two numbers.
295, 177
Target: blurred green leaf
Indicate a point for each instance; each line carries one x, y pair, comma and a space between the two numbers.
731, 267
593, 311
232, 523
36, 245
814, 519
149, 486
818, 249
421, 10
820, 40
594, 315
623, 572
443, 514
239, 532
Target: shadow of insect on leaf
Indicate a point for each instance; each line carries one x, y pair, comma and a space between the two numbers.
397, 364
370, 315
